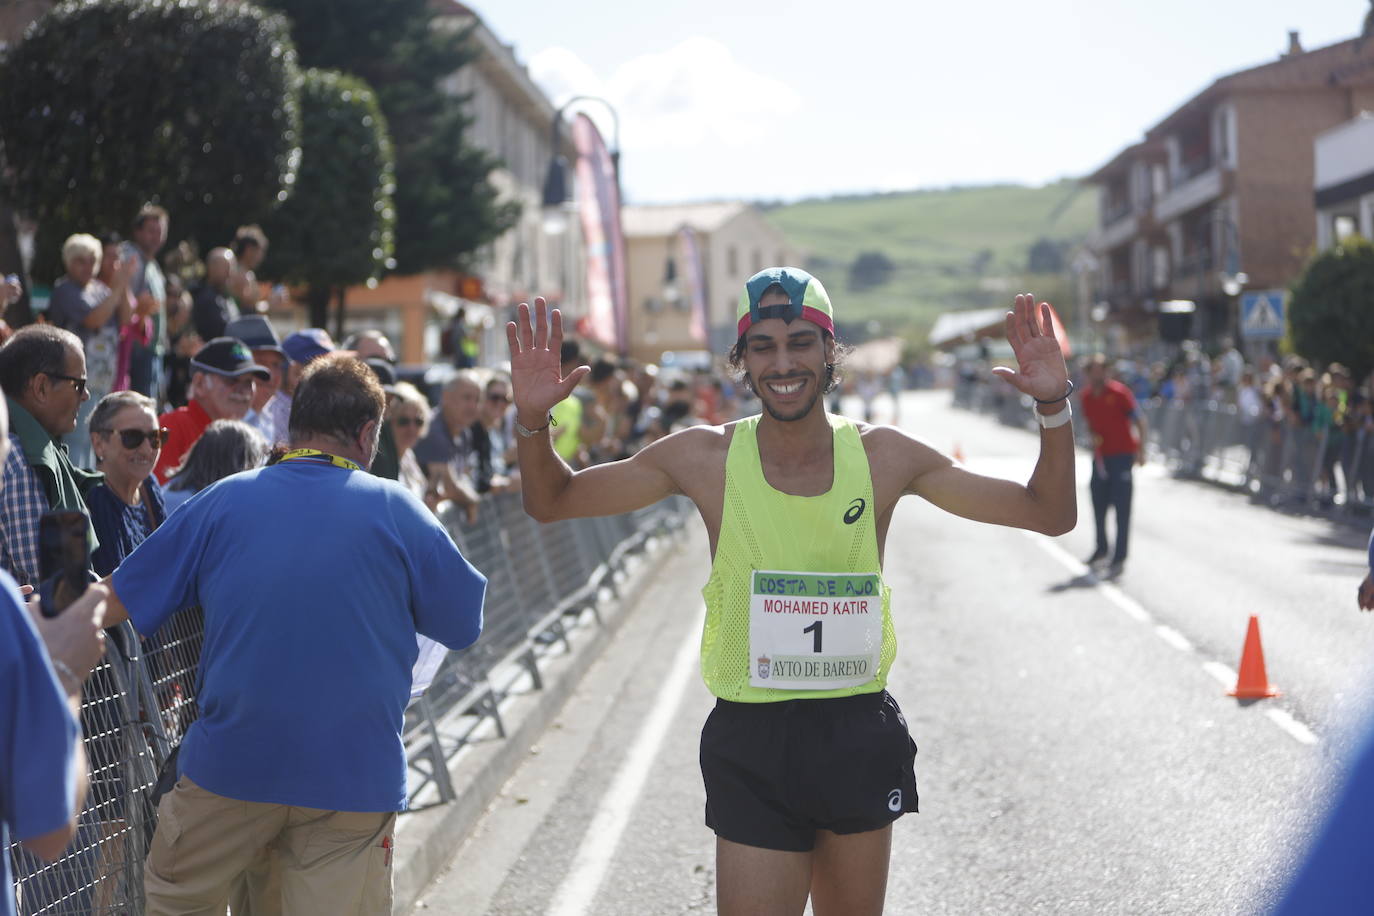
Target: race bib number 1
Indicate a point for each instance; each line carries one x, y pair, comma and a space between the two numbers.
814, 631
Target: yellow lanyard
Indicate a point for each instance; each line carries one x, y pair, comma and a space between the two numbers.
323, 456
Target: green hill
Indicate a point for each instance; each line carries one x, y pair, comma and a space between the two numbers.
933, 251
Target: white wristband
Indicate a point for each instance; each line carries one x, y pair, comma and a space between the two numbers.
1054, 420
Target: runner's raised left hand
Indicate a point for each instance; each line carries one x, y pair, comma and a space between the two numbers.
1042, 371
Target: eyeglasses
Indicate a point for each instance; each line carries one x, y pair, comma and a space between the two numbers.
408, 421
500, 398
79, 383
133, 438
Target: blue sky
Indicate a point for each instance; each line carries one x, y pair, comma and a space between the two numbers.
738, 99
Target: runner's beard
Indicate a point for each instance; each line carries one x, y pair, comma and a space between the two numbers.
800, 413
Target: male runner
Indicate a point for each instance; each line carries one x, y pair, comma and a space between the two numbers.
806, 758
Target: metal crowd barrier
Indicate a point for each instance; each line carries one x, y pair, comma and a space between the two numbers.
1328, 471
1281, 464
138, 703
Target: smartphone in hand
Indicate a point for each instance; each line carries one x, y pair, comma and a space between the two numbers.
63, 559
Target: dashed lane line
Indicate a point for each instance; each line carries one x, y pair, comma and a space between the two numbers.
1224, 675
577, 893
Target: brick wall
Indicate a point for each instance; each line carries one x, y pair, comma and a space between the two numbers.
1274, 175
15, 16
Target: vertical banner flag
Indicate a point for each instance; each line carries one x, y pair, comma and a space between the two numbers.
598, 201
1065, 345
695, 278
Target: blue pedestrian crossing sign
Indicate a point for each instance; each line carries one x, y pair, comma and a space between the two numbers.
1261, 314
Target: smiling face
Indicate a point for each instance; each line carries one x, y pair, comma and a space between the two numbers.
787, 362
122, 464
224, 397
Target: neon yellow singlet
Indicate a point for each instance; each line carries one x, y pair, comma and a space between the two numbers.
764, 529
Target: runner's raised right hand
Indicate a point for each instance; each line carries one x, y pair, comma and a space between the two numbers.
536, 371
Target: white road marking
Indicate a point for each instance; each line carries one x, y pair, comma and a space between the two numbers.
579, 887
1301, 733
1225, 675
1133, 609
1174, 638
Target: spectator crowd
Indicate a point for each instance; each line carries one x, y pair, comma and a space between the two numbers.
1322, 410
151, 379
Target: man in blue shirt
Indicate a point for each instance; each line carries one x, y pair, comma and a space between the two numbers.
42, 767
306, 663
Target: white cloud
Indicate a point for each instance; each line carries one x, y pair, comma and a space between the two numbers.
694, 93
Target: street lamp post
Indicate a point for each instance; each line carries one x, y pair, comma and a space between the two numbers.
556, 191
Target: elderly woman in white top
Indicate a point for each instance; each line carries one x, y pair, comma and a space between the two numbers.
408, 414
84, 305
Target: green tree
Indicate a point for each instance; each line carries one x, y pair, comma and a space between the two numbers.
1331, 311
446, 208
108, 104
870, 269
336, 229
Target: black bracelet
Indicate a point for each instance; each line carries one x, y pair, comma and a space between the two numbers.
1062, 397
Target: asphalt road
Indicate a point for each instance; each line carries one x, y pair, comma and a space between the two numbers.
1078, 753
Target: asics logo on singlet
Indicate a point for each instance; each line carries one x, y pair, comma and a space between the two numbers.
856, 509
894, 800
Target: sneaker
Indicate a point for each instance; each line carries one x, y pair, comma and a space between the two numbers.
1099, 556
1115, 570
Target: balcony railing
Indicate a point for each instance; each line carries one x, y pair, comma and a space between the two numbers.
1194, 263
1115, 213
1201, 188
1192, 168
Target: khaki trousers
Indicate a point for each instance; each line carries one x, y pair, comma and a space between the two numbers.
336, 862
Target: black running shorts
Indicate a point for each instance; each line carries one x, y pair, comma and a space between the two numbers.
776, 773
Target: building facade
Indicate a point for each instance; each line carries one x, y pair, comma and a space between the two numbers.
734, 241
1217, 197
1344, 181
512, 120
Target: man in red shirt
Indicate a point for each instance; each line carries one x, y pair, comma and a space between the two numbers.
222, 374
1118, 431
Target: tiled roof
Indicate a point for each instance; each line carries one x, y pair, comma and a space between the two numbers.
1349, 62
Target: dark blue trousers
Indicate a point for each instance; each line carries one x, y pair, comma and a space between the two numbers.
1111, 488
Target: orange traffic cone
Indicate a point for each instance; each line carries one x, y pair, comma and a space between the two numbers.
1253, 682
958, 453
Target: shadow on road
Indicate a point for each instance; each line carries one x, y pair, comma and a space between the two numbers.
1086, 580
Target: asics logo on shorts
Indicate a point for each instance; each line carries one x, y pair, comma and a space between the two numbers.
894, 800
856, 509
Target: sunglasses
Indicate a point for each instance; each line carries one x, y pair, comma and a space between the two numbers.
133, 438
78, 382
408, 421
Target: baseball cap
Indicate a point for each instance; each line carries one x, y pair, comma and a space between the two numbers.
303, 346
385, 372
229, 357
807, 299
255, 331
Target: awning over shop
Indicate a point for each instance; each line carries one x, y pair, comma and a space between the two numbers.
955, 328
878, 357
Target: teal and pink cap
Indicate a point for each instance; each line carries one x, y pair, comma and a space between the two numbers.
806, 297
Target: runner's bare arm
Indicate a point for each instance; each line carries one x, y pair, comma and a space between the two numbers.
1046, 503
550, 489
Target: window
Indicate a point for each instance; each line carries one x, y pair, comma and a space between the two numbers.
1161, 267
1344, 225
